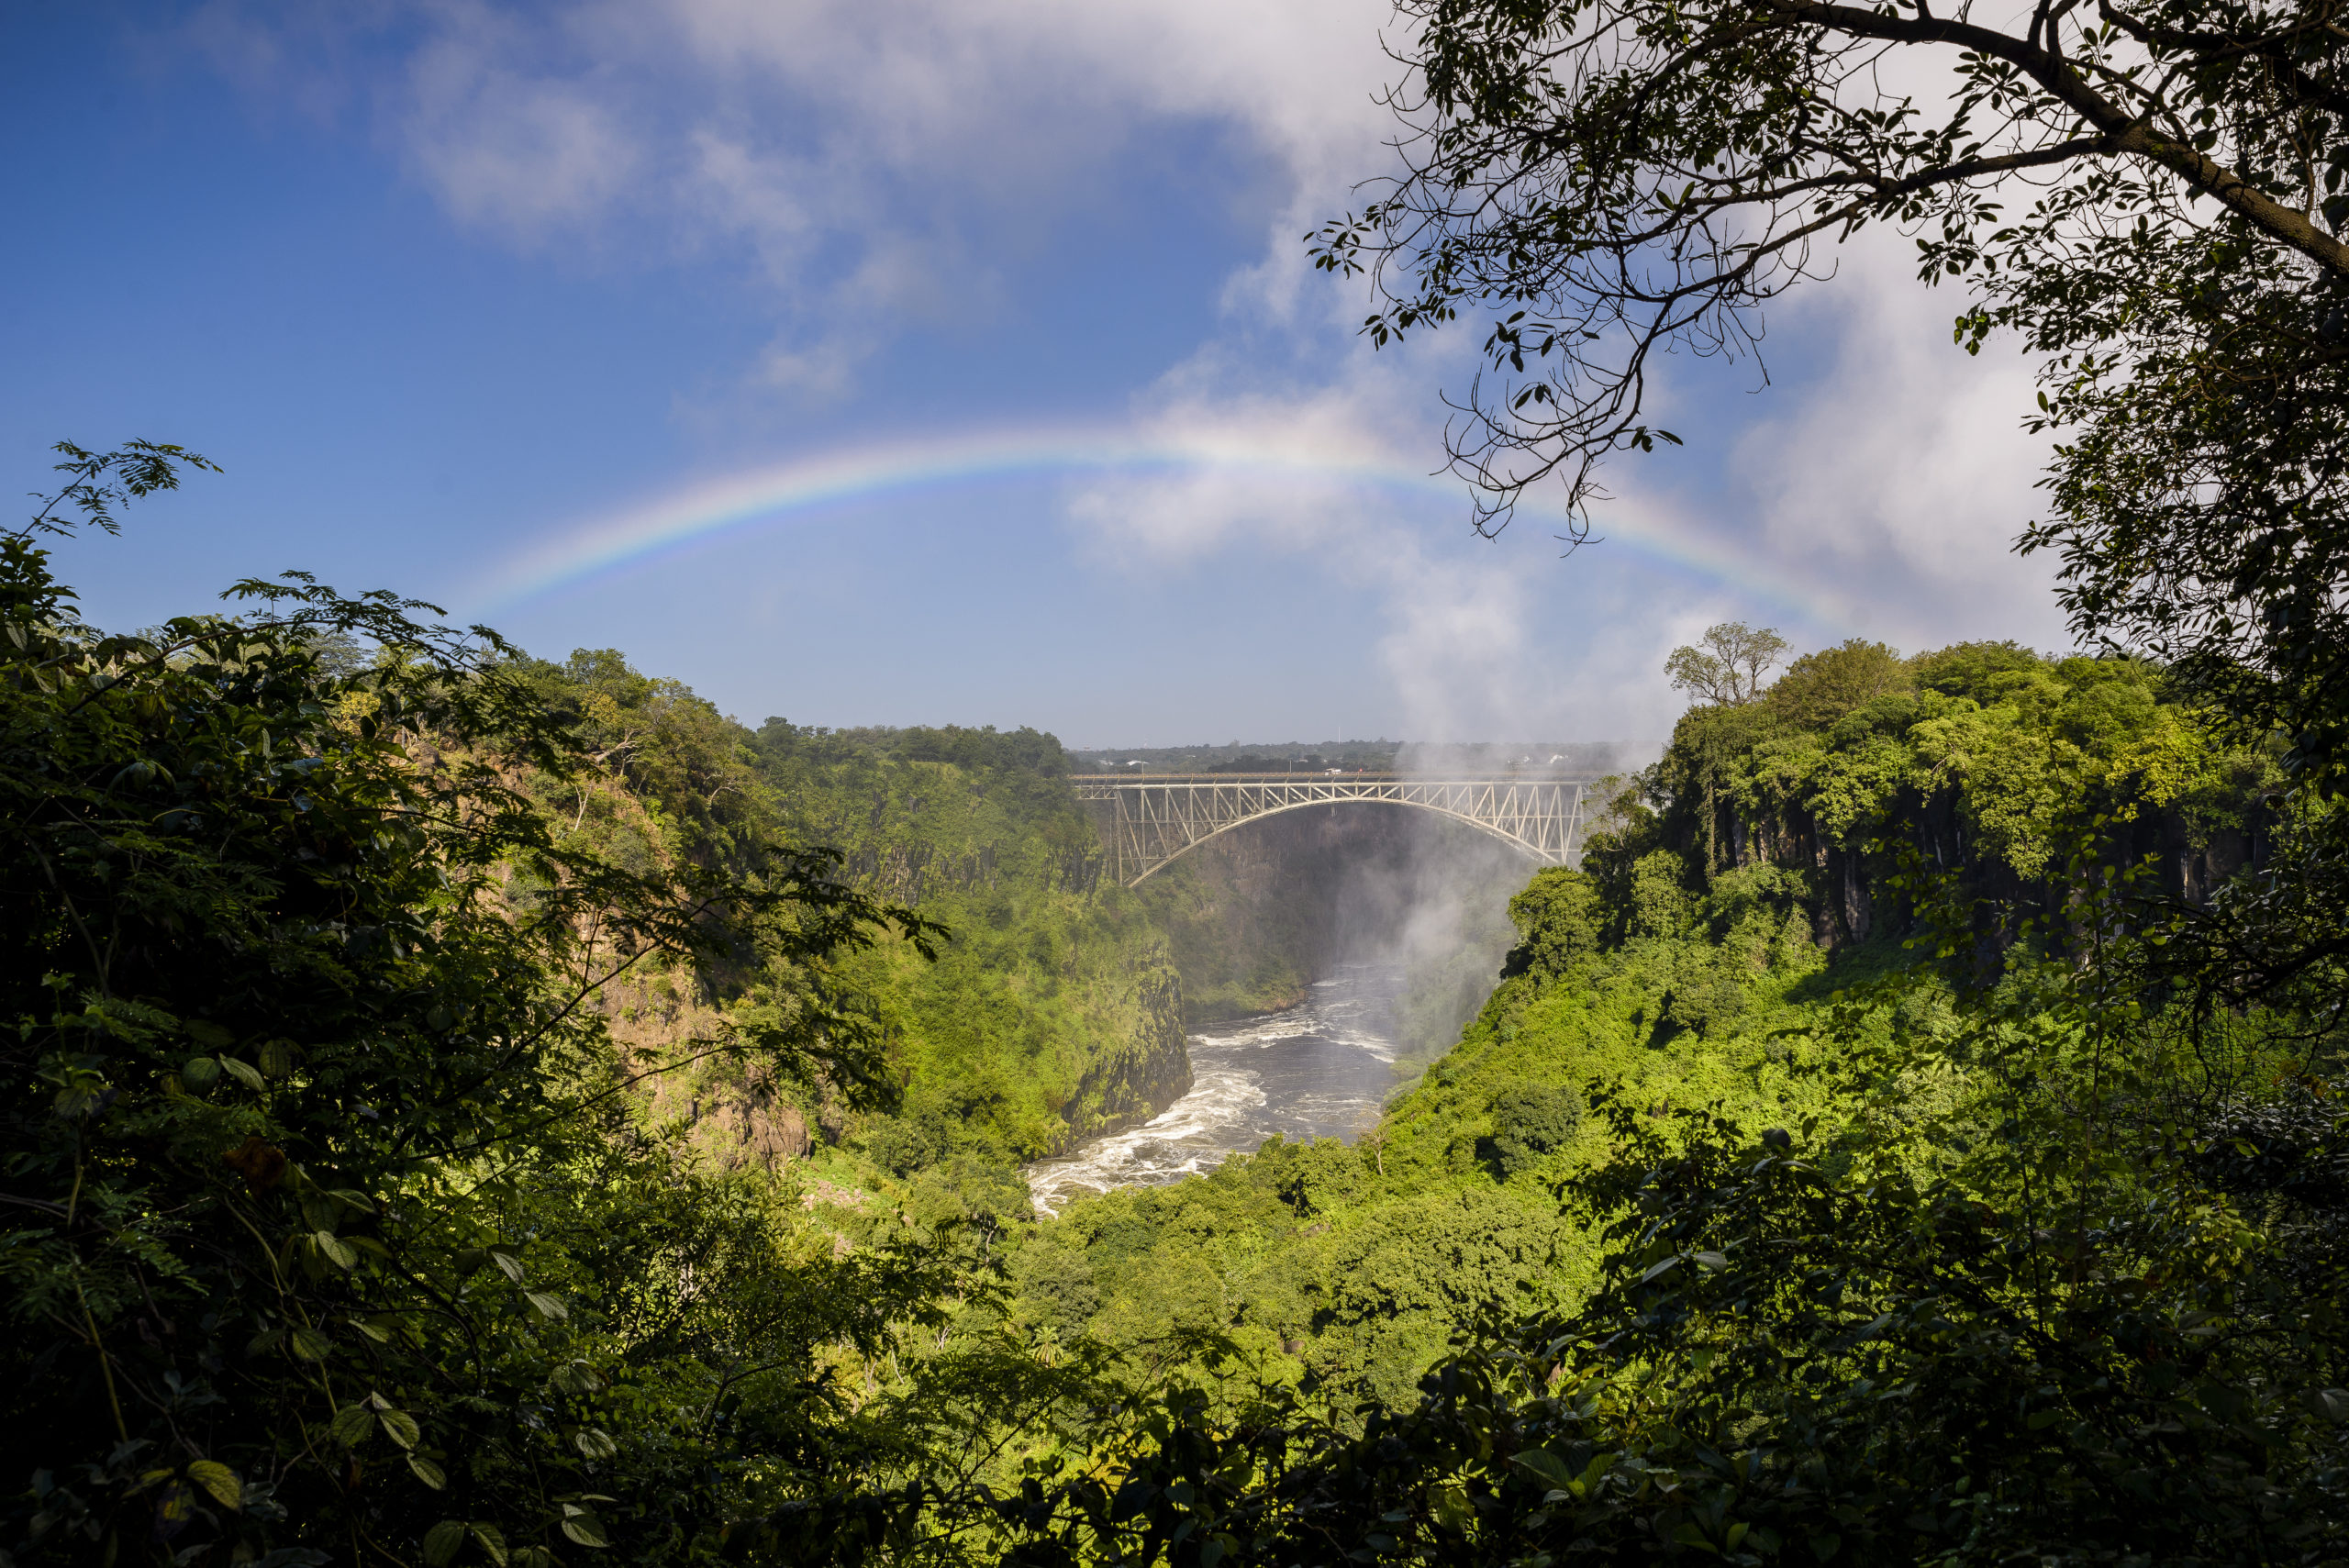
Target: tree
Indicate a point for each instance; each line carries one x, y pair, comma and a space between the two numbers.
2150, 195
1557, 919
1821, 687
1725, 667
1531, 1120
326, 1233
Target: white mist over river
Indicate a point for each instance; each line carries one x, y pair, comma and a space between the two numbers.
1322, 1069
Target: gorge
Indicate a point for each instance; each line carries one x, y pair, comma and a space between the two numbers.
789, 1138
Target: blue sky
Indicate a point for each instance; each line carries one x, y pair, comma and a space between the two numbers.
451, 287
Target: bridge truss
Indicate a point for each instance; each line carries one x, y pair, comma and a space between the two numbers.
1154, 819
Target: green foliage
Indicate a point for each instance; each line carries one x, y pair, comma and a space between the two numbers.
1821, 688
2013, 1230
1975, 751
1342, 1273
1531, 1120
1049, 1010
1658, 904
1557, 920
328, 1231
2023, 1247
362, 963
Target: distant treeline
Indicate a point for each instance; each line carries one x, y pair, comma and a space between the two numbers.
1587, 759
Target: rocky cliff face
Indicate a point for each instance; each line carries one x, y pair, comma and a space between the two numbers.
729, 1118
1148, 1070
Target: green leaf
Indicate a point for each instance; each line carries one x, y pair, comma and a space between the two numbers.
241, 1072
575, 1377
584, 1527
509, 1263
1690, 1535
399, 1426
218, 1480
595, 1443
338, 1251
427, 1471
555, 1311
1546, 1466
172, 1507
441, 1542
492, 1538
200, 1073
85, 1095
351, 1424
311, 1344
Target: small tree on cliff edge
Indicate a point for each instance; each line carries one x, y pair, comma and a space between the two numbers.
1727, 663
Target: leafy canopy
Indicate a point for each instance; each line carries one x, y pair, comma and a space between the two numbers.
326, 1229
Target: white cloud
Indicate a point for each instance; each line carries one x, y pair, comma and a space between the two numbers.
1875, 494
1476, 641
940, 129
881, 163
524, 156
1901, 475
868, 155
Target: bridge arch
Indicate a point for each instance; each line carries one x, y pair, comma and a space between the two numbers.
1153, 822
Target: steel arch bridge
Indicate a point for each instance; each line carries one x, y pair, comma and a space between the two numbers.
1155, 818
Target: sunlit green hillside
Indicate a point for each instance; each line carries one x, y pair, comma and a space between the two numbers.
1703, 963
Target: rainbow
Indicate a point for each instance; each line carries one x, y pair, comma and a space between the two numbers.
769, 497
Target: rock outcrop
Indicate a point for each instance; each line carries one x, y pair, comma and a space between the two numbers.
1141, 1076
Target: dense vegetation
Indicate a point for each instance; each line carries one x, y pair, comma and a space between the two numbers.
454, 1117
456, 1114
1042, 979
427, 1057
1850, 1165
332, 1231
1687, 970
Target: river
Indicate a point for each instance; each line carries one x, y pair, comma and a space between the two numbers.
1322, 1069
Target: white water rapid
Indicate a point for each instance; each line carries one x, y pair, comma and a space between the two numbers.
1318, 1070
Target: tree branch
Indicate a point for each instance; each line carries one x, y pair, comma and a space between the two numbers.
2122, 131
